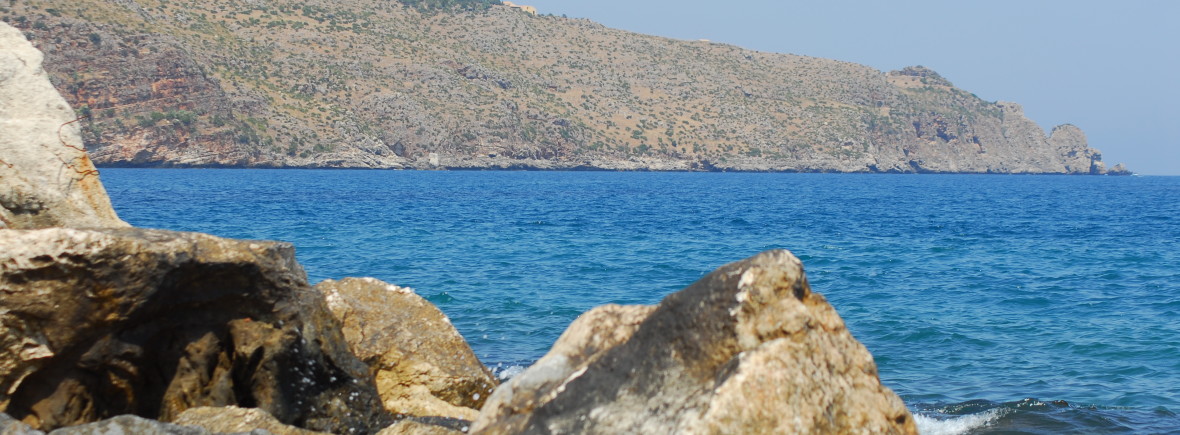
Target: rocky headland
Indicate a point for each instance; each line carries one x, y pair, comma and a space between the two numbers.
382, 84
105, 328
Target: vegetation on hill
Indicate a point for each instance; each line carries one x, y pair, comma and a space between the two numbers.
380, 83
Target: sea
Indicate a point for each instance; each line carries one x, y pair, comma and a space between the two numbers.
991, 303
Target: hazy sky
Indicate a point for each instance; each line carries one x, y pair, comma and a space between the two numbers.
1109, 67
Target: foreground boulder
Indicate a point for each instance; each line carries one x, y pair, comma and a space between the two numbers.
423, 367
46, 178
100, 323
747, 349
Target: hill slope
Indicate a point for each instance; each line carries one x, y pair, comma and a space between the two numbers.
377, 84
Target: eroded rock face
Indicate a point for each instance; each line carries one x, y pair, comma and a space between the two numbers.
747, 349
423, 367
99, 323
46, 178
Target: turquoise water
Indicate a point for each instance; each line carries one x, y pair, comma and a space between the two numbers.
993, 304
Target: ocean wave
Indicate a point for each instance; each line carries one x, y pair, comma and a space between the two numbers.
932, 425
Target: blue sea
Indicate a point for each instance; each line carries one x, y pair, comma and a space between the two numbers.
992, 304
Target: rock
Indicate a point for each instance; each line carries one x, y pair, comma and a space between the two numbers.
105, 322
747, 349
46, 178
235, 419
583, 342
422, 366
12, 426
1119, 169
426, 426
130, 424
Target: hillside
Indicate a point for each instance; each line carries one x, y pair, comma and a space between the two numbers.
378, 84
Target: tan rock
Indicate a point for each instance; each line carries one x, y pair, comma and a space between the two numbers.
422, 365
232, 419
747, 349
46, 177
100, 323
413, 427
583, 342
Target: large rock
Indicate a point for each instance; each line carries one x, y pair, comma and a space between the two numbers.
46, 178
423, 367
99, 323
747, 349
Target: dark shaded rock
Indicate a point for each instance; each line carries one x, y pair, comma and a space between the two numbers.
422, 366
100, 323
747, 349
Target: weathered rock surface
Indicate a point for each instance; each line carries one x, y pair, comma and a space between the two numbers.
747, 349
130, 424
372, 84
12, 426
46, 178
100, 323
427, 426
233, 419
423, 367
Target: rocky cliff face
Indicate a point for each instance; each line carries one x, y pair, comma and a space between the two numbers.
375, 84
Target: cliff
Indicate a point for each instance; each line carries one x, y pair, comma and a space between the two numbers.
376, 84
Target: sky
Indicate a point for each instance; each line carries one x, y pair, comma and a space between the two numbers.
1109, 67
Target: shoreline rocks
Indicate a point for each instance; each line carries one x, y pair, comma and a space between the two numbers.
421, 364
747, 349
99, 323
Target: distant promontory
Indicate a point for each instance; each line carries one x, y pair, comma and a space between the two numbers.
387, 84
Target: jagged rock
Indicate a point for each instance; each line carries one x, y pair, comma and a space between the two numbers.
235, 419
423, 367
130, 424
46, 178
747, 349
99, 323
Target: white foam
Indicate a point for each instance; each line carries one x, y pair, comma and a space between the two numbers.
954, 426
508, 372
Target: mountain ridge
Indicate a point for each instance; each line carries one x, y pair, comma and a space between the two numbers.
376, 84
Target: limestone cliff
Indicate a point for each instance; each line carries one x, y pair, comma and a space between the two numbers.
376, 84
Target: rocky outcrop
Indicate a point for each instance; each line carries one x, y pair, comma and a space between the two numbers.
369, 84
747, 349
99, 323
233, 419
46, 178
422, 366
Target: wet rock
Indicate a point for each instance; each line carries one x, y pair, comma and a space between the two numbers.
747, 349
422, 366
100, 323
232, 419
46, 177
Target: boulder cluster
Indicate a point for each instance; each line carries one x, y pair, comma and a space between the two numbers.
105, 328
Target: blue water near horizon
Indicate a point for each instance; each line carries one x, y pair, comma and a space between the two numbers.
992, 304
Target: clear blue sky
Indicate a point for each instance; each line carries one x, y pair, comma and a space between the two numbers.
1109, 67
